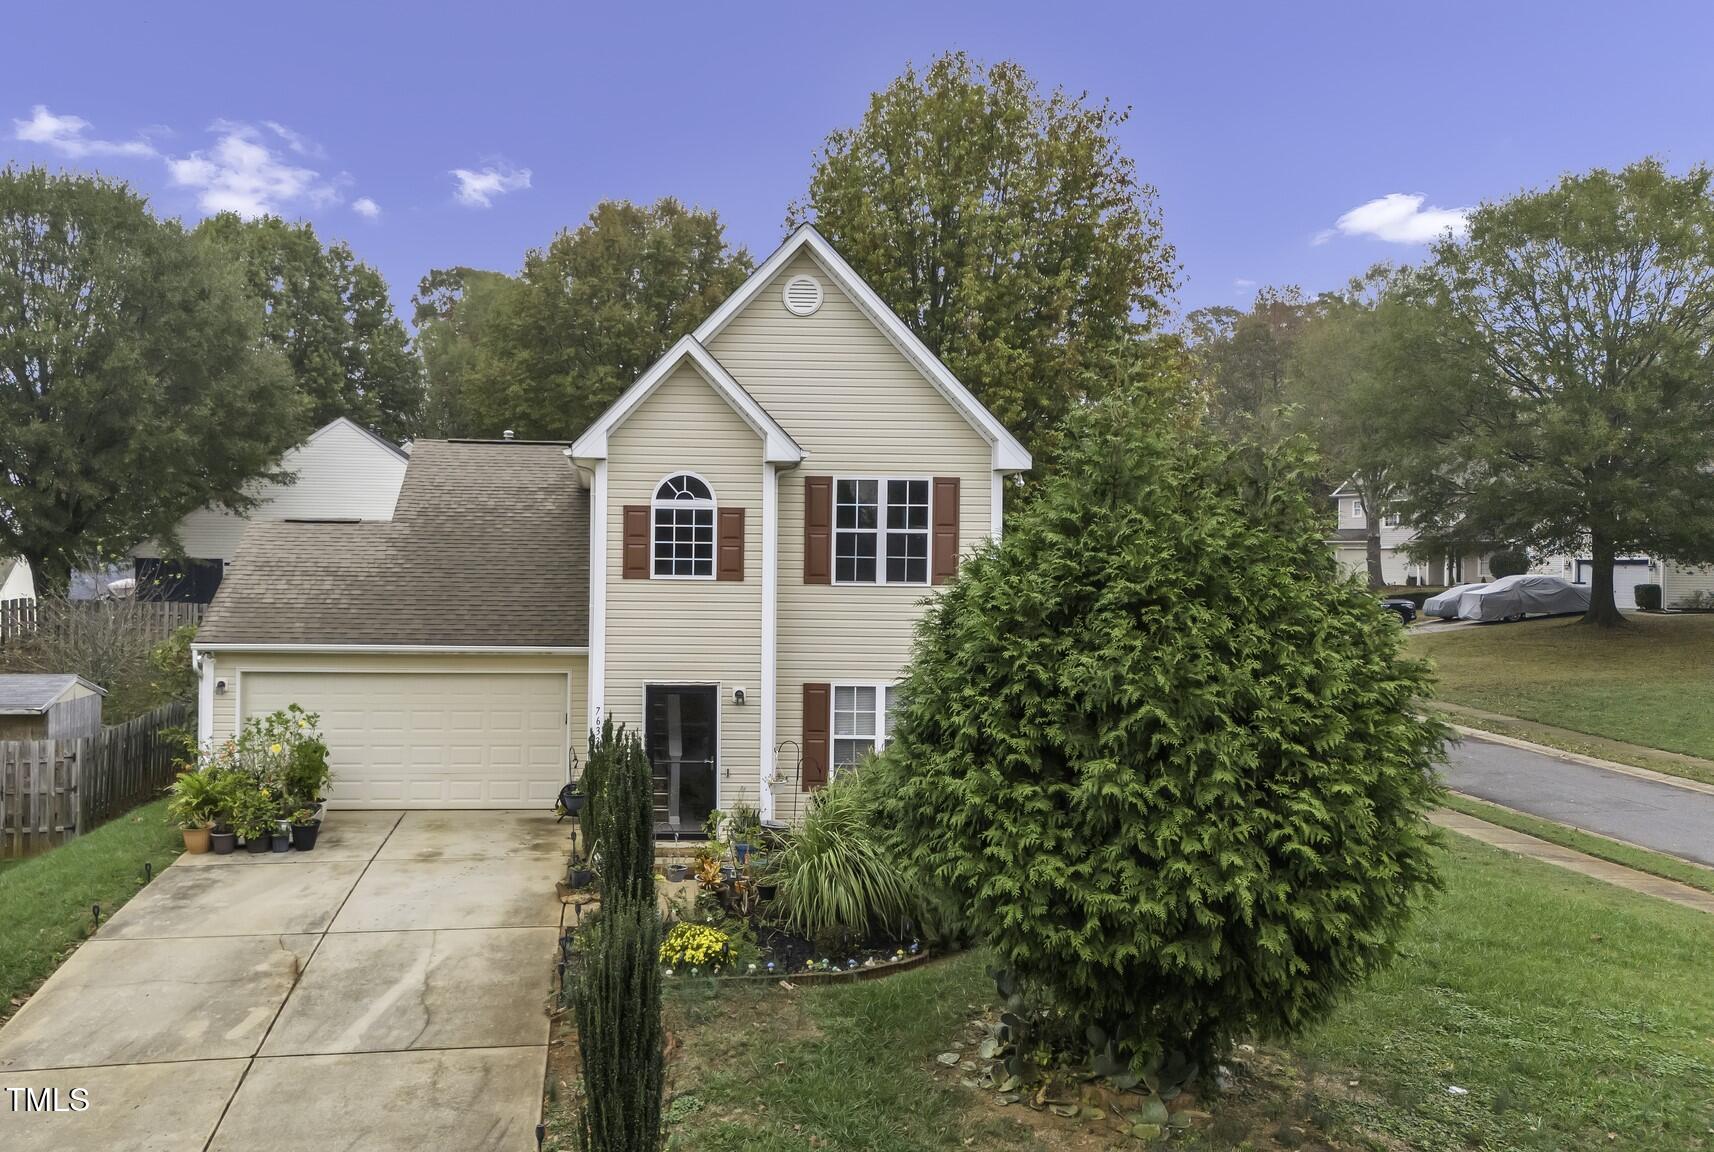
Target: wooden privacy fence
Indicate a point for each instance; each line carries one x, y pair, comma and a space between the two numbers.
21, 619
53, 790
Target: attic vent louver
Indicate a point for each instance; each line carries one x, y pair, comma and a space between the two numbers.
803, 295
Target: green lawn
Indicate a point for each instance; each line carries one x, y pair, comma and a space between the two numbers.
1568, 1010
45, 901
1651, 683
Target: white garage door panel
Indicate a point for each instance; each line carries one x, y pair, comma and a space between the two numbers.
430, 739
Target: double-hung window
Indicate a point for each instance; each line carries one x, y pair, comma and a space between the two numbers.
880, 531
684, 528
861, 721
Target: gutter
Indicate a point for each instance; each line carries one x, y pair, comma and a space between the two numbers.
401, 649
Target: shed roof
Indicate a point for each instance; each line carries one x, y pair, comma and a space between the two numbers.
488, 547
32, 693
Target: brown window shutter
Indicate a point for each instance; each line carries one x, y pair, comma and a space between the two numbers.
635, 544
944, 563
817, 715
818, 530
729, 545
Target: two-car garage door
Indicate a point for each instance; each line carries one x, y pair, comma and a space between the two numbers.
430, 739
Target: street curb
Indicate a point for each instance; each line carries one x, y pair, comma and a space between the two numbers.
1578, 828
1485, 736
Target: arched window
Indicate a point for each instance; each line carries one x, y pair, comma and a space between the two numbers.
684, 528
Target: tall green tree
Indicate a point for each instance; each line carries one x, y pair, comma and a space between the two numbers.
135, 382
1242, 357
1006, 227
1564, 391
591, 311
1339, 393
331, 315
454, 308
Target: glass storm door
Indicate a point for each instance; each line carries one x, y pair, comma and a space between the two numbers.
682, 736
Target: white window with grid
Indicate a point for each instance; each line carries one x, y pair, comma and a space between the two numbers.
683, 529
881, 530
859, 726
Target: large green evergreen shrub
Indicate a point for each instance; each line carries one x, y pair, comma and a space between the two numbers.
619, 1031
1166, 762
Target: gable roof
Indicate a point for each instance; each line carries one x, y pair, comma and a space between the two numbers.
31, 694
488, 548
346, 421
1008, 454
778, 446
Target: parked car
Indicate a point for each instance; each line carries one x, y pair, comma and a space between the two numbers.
1445, 604
1406, 609
1514, 597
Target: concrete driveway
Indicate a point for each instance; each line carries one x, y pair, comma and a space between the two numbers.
388, 990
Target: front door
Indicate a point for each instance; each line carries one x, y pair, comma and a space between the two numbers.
682, 733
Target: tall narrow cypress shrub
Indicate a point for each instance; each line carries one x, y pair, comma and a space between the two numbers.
619, 1031
625, 814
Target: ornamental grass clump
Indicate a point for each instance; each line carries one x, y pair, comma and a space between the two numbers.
1166, 762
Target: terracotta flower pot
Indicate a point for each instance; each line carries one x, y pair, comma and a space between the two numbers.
195, 840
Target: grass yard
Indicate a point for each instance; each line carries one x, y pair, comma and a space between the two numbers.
1649, 684
1577, 1016
45, 900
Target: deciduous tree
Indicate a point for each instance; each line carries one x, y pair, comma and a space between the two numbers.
1007, 228
135, 382
331, 316
1563, 394
454, 309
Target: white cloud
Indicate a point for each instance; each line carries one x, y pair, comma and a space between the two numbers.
1399, 218
296, 141
364, 206
1241, 284
242, 174
69, 136
478, 189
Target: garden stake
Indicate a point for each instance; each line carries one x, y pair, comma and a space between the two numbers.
541, 1134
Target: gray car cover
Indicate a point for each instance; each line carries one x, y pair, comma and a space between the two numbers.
1445, 604
1524, 595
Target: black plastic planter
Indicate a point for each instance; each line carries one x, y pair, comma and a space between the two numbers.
282, 841
222, 843
256, 845
303, 836
582, 877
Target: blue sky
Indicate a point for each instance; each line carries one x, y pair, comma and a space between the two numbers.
1262, 125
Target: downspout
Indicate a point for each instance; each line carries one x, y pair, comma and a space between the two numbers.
770, 629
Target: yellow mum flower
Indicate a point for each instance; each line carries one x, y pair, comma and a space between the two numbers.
274, 748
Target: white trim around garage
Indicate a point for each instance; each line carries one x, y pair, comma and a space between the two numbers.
399, 649
204, 697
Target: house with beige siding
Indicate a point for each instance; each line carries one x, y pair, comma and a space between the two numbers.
731, 560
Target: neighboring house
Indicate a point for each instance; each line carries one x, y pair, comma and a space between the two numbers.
48, 707
16, 582
1350, 547
343, 472
731, 561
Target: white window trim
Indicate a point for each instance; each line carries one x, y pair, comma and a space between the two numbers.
712, 504
880, 531
883, 728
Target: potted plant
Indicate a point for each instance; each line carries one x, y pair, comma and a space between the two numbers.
254, 812
677, 872
196, 799
306, 826
281, 837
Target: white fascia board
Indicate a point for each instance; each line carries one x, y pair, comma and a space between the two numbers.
1008, 454
778, 446
402, 649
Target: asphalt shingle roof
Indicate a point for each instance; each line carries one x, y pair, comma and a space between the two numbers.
488, 545
32, 692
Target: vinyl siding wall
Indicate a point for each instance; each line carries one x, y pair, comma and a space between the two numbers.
1681, 580
231, 666
857, 407
342, 474
689, 631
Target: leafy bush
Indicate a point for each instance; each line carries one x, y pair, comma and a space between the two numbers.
624, 820
619, 1031
1697, 601
198, 798
837, 879
1169, 765
1508, 562
1648, 597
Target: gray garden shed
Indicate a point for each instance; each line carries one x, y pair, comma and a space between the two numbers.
48, 706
